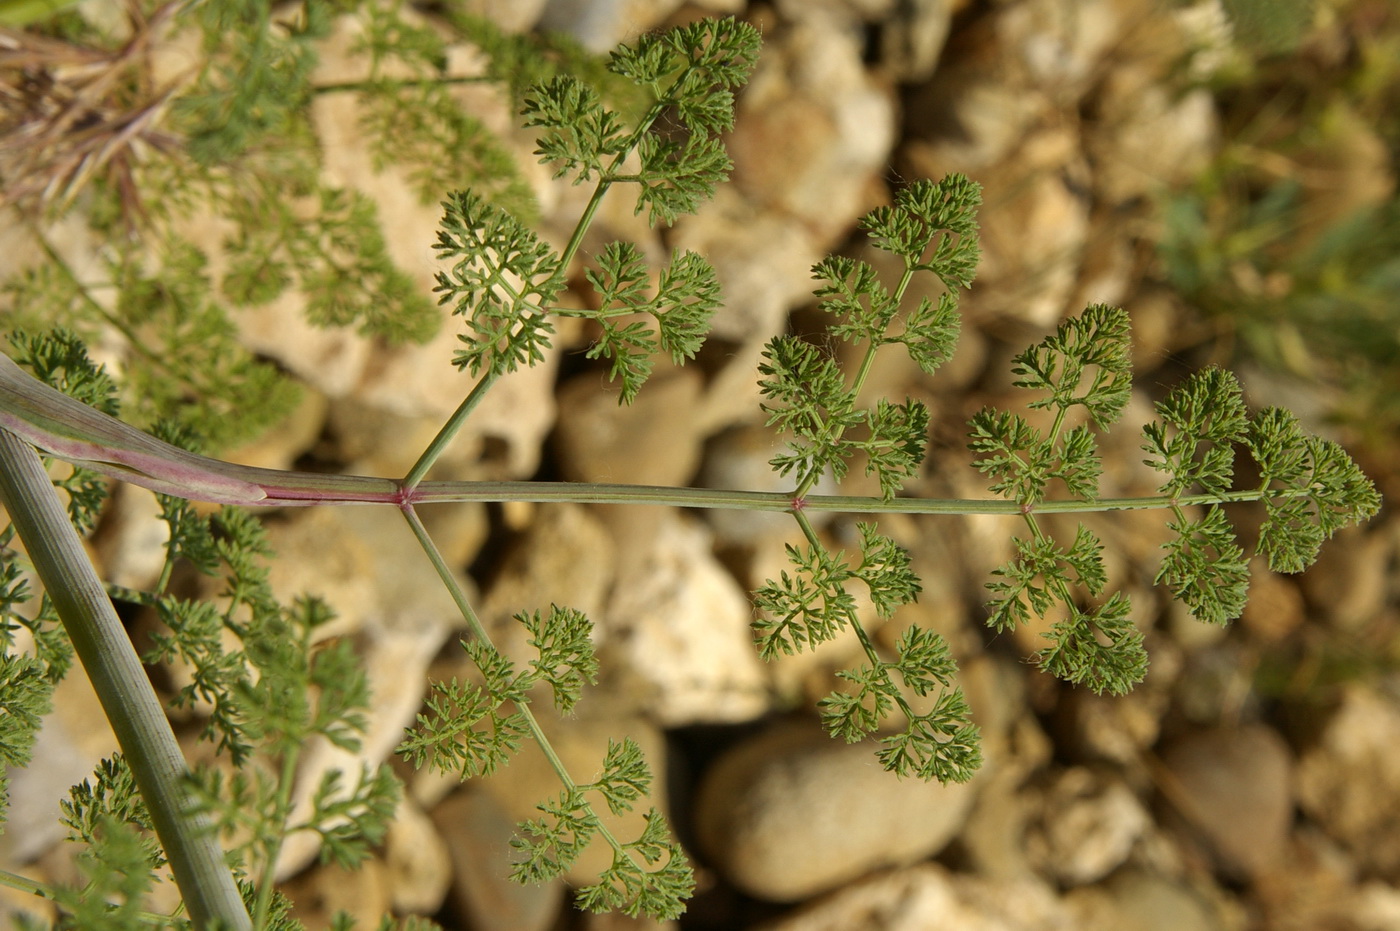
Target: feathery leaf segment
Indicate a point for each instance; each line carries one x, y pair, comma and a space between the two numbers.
1309, 488
932, 228
506, 282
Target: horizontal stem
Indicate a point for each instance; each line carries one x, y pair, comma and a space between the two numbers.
73, 431
714, 498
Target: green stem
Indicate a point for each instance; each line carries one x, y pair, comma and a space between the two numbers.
867, 362
375, 83
448, 431
137, 718
273, 850
479, 631
727, 499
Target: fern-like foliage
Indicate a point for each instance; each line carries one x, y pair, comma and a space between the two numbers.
473, 729
931, 227
418, 127
251, 667
505, 281
1309, 488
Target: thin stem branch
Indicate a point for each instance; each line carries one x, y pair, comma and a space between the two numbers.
448, 431
712, 498
478, 629
459, 417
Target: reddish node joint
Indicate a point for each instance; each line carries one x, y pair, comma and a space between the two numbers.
799, 503
1027, 507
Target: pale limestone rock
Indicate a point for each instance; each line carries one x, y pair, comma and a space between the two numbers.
1137, 900
1014, 747
477, 832
813, 130
317, 554
1235, 787
366, 564
1377, 907
281, 444
514, 417
602, 24
1033, 233
510, 15
652, 441
790, 813
1088, 824
968, 121
679, 624
566, 558
1121, 727
330, 360
913, 37
927, 897
912, 34
1276, 608
318, 894
416, 858
1349, 779
763, 260
1059, 44
1035, 219
1350, 584
617, 921
131, 546
1146, 138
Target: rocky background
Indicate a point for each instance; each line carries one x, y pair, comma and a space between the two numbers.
1253, 781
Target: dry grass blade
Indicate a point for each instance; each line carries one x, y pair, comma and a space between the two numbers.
69, 113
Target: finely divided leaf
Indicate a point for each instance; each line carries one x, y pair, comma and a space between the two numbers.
1086, 362
581, 134
941, 744
686, 295
804, 608
1316, 490
1194, 442
1101, 649
566, 660
503, 279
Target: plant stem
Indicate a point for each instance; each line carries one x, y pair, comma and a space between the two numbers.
479, 631
469, 403
130, 704
727, 499
585, 220
42, 891
448, 431
272, 849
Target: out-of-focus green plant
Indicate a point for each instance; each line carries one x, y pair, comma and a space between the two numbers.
1290, 241
88, 119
